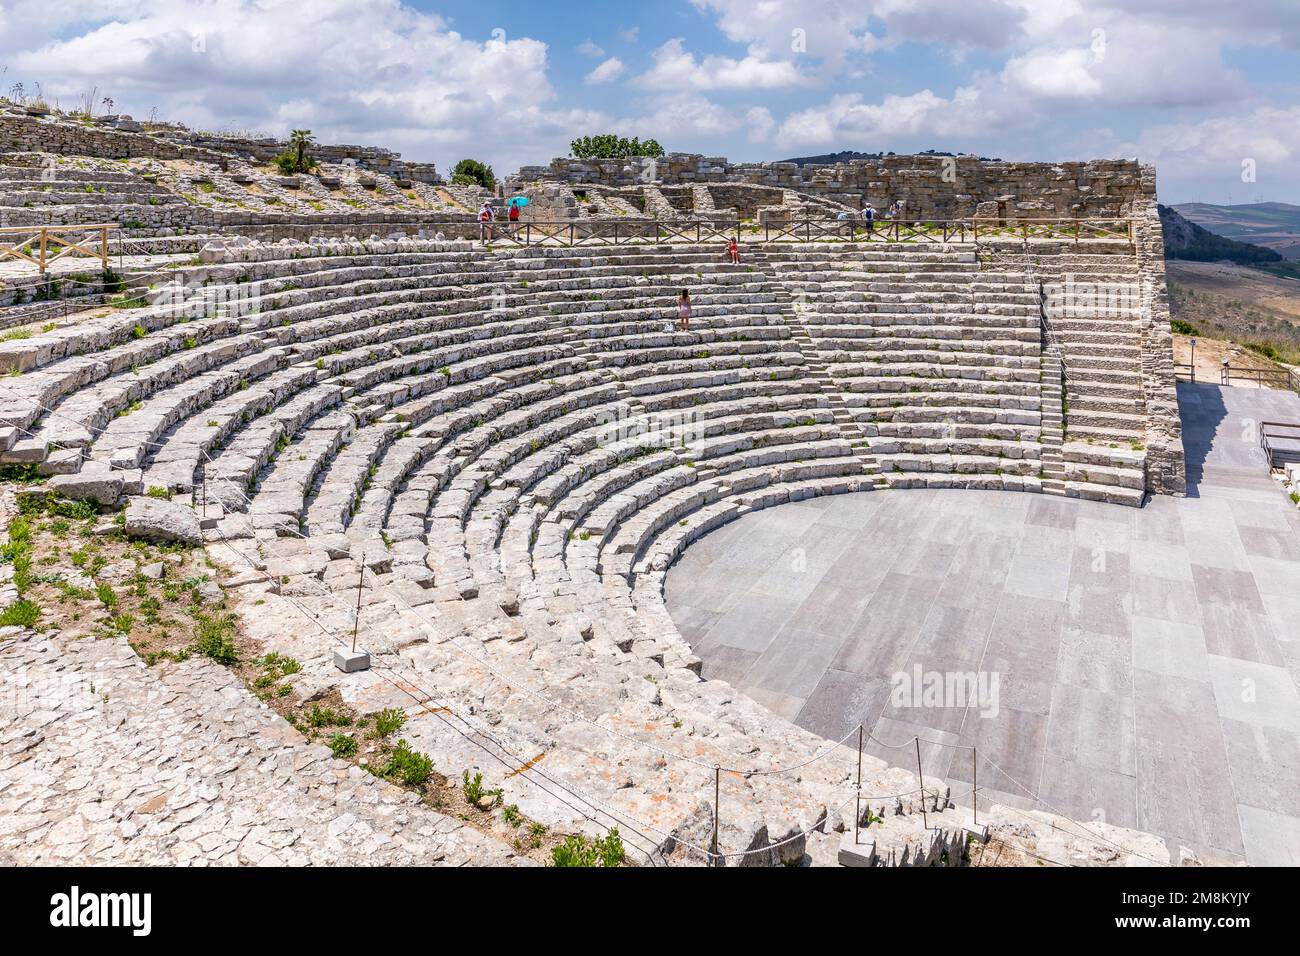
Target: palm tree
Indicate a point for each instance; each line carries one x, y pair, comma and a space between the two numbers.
299, 141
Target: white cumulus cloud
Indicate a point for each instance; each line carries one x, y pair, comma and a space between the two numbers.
676, 68
607, 72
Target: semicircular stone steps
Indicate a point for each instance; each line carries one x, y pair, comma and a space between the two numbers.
519, 442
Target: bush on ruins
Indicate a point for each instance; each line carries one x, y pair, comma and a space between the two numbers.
609, 146
297, 159
470, 172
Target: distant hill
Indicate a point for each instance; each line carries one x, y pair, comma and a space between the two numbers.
1274, 225
848, 155
1184, 239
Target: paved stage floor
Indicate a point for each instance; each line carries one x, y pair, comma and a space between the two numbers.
1147, 661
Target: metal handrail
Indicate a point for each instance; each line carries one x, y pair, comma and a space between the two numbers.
1265, 435
571, 232
1286, 377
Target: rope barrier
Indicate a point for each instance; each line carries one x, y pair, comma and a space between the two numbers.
518, 684
524, 767
510, 680
405, 681
333, 598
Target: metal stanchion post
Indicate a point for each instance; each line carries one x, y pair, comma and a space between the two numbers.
356, 620
717, 796
354, 660
921, 779
857, 798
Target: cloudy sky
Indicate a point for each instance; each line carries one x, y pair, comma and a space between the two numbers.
1210, 91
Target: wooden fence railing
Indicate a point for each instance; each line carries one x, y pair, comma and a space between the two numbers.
42, 245
644, 231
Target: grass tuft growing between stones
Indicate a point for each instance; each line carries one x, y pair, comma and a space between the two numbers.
214, 636
579, 851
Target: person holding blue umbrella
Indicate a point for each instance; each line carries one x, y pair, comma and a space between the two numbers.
515, 203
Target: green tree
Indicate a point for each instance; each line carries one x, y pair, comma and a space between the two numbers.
297, 158
612, 146
470, 172
300, 140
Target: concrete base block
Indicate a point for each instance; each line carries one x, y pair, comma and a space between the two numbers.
351, 661
859, 853
210, 515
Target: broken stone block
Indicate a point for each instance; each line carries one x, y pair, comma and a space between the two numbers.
104, 487
157, 519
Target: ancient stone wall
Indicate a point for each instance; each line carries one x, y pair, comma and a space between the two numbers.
1166, 467
169, 219
263, 150
33, 134
931, 187
57, 135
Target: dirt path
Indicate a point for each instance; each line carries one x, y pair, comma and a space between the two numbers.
1210, 354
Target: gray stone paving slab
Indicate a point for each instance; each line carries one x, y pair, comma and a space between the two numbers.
1255, 693
1147, 659
1101, 662
1175, 650
1039, 577
1272, 839
1265, 765
841, 701
1088, 793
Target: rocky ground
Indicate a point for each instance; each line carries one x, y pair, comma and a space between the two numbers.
136, 711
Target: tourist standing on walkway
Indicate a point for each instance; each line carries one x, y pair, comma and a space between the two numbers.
485, 222
894, 210
869, 217
684, 311
733, 252
514, 217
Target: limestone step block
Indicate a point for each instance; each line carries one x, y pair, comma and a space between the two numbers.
1114, 454
1105, 426
897, 459
1082, 403
1111, 494
25, 451
98, 483
1087, 473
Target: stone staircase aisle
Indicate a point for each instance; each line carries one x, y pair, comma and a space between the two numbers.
1104, 410
817, 369
1052, 436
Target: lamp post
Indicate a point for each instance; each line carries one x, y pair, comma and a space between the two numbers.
1193, 358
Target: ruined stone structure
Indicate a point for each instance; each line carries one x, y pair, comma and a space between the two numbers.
932, 187
122, 138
